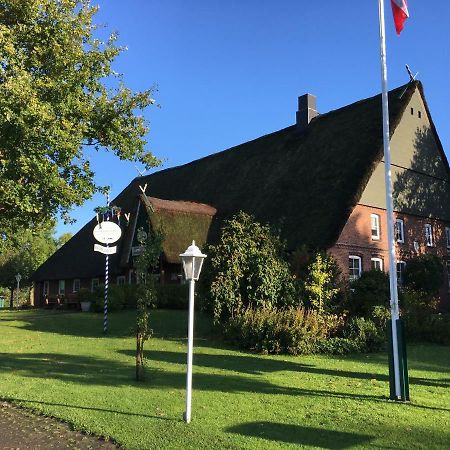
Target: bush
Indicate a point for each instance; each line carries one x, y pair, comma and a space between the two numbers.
269, 330
322, 284
119, 297
434, 328
247, 269
424, 273
172, 296
365, 334
369, 291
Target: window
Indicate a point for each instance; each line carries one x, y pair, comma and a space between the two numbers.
448, 276
354, 267
428, 235
399, 231
76, 285
412, 111
375, 226
94, 284
447, 234
61, 287
121, 280
419, 114
377, 264
401, 266
45, 288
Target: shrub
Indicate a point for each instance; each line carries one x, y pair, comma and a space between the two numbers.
172, 296
365, 334
424, 273
369, 291
248, 269
270, 330
116, 298
321, 287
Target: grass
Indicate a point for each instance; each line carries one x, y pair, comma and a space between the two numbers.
59, 364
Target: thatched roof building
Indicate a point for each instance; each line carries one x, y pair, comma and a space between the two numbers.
306, 179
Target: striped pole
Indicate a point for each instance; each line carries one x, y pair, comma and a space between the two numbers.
105, 303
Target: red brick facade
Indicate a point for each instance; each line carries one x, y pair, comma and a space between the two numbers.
356, 239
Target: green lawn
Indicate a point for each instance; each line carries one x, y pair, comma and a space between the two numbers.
59, 364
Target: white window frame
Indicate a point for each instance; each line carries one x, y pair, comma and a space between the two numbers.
76, 282
376, 260
355, 258
447, 235
61, 283
429, 241
400, 273
376, 218
121, 278
400, 231
92, 283
46, 288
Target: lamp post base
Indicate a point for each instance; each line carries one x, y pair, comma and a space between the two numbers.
186, 418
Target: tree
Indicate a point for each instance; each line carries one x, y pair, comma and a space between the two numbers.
424, 273
146, 263
59, 93
322, 283
29, 251
63, 239
247, 269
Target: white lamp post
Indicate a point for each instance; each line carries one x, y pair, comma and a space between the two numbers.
192, 260
18, 278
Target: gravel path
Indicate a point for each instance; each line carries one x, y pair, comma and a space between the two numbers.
22, 430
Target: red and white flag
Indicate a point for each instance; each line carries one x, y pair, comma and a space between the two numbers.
400, 12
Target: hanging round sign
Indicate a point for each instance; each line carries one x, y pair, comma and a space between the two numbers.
107, 232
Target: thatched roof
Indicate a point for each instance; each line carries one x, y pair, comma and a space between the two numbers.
306, 182
180, 222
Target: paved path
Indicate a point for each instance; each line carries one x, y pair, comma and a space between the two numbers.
22, 430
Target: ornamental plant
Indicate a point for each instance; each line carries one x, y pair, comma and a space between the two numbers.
247, 269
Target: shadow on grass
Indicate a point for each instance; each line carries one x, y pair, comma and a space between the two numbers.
169, 324
301, 435
23, 401
95, 371
256, 365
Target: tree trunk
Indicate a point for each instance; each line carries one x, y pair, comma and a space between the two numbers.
11, 298
139, 357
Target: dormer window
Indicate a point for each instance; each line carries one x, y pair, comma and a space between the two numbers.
375, 226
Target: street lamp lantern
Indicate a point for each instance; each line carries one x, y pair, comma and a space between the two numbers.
192, 260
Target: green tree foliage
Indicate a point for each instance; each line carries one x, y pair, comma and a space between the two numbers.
424, 273
247, 269
59, 93
63, 239
28, 251
145, 265
369, 291
321, 286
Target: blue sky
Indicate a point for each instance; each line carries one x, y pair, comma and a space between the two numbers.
230, 71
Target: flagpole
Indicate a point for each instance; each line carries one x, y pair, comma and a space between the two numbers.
389, 203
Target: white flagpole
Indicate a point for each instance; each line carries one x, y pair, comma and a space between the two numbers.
389, 202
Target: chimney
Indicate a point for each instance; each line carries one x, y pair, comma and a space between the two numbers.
306, 110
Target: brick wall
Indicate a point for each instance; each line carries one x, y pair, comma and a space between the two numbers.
356, 239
